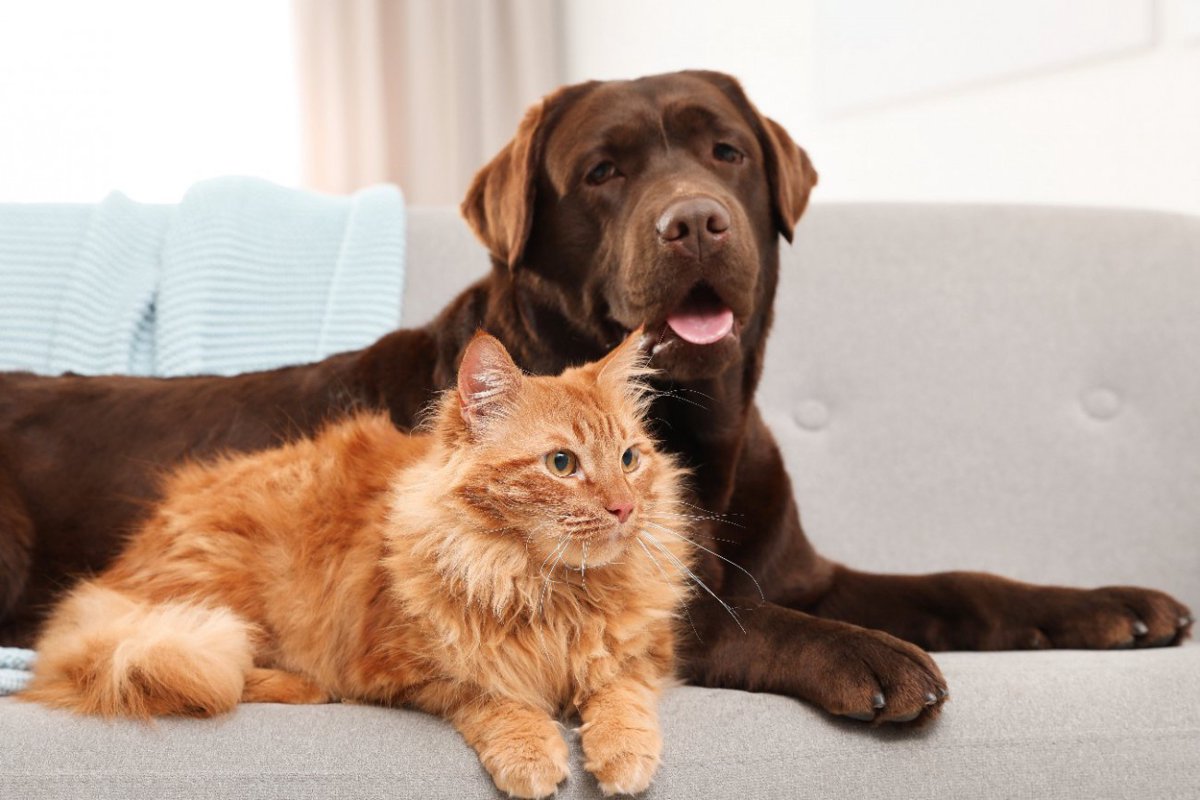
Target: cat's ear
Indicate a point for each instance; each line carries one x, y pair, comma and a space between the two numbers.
625, 367
487, 382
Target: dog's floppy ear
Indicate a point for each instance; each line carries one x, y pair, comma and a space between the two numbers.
790, 173
499, 204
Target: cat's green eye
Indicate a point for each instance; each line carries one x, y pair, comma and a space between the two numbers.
561, 463
630, 459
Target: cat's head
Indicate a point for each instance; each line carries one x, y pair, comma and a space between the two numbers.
564, 461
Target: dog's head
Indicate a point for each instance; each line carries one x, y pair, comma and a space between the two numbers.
655, 202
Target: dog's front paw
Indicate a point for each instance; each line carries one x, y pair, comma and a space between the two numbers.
871, 676
622, 754
527, 765
1113, 617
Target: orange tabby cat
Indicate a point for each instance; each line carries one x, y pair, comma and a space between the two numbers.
496, 571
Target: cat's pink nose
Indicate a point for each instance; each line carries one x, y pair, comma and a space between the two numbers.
621, 510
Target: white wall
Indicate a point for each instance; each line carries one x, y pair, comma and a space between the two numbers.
150, 96
145, 96
1117, 126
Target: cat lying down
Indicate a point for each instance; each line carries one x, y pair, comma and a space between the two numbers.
522, 559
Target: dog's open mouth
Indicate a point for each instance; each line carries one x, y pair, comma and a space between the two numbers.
702, 317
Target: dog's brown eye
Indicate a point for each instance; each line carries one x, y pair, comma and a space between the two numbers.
601, 173
561, 463
727, 152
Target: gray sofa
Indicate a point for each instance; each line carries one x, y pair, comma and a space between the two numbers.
998, 388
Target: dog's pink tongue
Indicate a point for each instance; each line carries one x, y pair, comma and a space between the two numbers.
702, 327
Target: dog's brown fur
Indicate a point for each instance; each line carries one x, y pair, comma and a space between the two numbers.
576, 264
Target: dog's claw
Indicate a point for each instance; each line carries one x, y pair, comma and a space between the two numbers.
1184, 621
930, 698
878, 700
1140, 628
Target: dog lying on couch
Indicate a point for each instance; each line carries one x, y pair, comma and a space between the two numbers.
656, 202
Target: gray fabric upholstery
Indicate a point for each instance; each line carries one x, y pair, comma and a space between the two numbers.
1008, 389
1040, 725
1011, 389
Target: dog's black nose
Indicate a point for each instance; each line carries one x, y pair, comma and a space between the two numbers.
694, 227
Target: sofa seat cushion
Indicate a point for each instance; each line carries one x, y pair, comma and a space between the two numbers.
1038, 724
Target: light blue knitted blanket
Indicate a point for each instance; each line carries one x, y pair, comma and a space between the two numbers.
16, 667
241, 275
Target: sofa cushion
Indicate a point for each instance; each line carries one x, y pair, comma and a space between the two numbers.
1012, 389
1039, 724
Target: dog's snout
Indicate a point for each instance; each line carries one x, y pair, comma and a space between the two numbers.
694, 227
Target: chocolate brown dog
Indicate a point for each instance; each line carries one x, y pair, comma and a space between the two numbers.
655, 202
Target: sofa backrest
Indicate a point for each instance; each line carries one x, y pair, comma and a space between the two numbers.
1013, 389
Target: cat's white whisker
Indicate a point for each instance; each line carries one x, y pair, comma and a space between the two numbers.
583, 566
693, 391
709, 536
652, 558
547, 577
683, 568
706, 511
733, 564
675, 396
551, 554
667, 579
697, 517
705, 514
546, 581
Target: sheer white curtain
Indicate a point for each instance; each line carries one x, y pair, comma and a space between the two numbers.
418, 92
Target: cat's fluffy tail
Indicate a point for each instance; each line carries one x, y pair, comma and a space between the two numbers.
109, 654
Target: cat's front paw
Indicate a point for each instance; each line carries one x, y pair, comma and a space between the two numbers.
530, 765
622, 756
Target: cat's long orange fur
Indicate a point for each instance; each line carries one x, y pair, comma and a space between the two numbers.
449, 571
